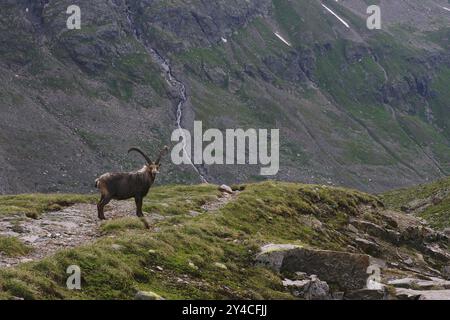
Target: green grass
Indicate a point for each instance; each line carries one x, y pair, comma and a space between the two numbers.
13, 247
34, 204
173, 200
177, 259
438, 214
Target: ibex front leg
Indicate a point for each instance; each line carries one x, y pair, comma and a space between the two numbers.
138, 201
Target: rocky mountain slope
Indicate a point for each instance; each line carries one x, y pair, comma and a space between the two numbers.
355, 107
269, 240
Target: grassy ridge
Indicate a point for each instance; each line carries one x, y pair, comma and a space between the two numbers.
207, 256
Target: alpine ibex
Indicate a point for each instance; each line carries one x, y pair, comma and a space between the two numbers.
127, 185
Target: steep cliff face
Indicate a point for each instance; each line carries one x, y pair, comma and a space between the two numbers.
355, 107
179, 25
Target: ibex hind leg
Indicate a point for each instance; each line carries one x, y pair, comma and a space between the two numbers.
101, 206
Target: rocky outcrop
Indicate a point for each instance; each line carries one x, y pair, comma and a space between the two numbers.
187, 26
347, 271
295, 66
384, 232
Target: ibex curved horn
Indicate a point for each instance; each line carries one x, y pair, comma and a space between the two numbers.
142, 153
162, 153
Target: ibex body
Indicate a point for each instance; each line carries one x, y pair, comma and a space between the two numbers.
127, 185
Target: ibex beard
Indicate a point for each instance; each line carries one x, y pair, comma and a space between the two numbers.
127, 185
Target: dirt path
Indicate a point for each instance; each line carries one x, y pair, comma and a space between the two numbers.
220, 202
72, 227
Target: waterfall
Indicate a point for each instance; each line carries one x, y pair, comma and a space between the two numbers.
175, 83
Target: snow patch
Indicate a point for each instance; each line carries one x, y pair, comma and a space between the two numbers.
282, 39
334, 14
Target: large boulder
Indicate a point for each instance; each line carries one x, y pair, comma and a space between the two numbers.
347, 271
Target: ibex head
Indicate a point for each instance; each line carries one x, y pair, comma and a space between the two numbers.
152, 167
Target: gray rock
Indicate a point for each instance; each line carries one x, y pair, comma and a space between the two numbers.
410, 294
316, 290
352, 228
311, 289
192, 265
435, 295
446, 272
301, 276
295, 283
225, 188
368, 246
408, 261
339, 295
432, 283
17, 298
403, 283
220, 265
193, 213
366, 294
147, 295
437, 252
377, 231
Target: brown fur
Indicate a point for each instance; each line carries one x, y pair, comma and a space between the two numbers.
127, 185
